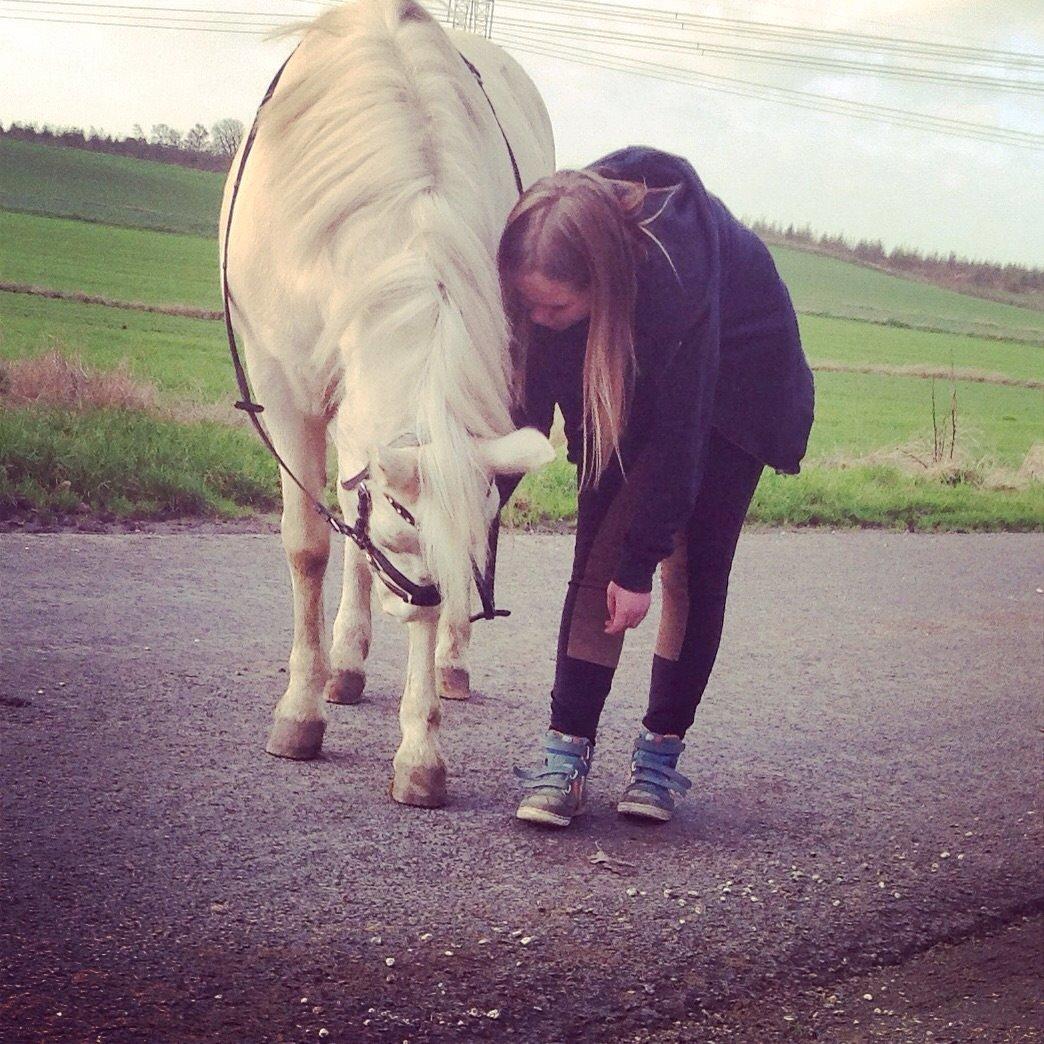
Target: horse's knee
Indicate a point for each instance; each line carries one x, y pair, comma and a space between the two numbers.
310, 563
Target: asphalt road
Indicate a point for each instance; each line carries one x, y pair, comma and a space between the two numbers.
866, 765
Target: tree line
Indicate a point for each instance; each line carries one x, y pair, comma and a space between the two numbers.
983, 278
201, 147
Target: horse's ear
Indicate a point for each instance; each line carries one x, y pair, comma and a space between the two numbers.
521, 451
398, 469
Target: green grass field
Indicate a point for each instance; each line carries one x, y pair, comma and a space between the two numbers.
187, 359
137, 194
832, 287
844, 341
109, 190
857, 415
858, 471
122, 263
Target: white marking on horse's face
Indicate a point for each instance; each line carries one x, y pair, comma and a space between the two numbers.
392, 605
400, 541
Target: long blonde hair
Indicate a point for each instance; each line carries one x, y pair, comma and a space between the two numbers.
584, 230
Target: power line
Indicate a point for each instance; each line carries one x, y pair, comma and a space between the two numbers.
799, 99
584, 8
638, 65
916, 75
680, 20
804, 11
728, 85
816, 37
144, 17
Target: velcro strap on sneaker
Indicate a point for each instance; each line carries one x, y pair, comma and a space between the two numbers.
554, 745
647, 768
556, 778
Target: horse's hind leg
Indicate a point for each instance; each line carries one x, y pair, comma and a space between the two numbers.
352, 628
299, 721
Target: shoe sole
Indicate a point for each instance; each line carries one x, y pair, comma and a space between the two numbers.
542, 816
633, 808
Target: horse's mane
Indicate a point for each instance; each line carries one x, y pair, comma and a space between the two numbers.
373, 140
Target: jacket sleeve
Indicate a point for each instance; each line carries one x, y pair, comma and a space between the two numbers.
537, 410
672, 457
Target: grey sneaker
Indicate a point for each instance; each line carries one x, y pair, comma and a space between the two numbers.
557, 787
654, 778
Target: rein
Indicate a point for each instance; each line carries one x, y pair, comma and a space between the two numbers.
411, 593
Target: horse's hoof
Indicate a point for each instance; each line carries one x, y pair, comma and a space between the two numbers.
346, 688
454, 683
424, 788
300, 740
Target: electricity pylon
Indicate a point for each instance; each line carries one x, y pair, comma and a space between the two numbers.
475, 16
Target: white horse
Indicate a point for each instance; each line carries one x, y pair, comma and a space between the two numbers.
364, 290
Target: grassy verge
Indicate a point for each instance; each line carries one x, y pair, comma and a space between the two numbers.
860, 495
883, 495
128, 464
64, 448
117, 464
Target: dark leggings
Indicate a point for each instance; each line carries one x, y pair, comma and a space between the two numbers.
695, 581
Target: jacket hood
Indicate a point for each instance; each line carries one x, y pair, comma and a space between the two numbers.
679, 278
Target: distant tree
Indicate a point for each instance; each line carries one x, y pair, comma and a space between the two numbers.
198, 139
227, 134
162, 134
138, 134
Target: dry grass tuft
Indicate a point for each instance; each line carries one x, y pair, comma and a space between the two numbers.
56, 379
964, 468
1032, 467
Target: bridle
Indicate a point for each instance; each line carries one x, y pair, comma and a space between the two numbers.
383, 568
426, 595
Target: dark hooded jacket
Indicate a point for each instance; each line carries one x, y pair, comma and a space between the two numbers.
716, 346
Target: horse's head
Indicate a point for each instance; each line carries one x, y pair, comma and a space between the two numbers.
405, 519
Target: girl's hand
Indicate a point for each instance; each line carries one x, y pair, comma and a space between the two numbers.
626, 608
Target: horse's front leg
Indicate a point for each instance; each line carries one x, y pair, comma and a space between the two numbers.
451, 657
353, 626
299, 721
420, 772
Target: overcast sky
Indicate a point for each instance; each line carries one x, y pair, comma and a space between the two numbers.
764, 159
